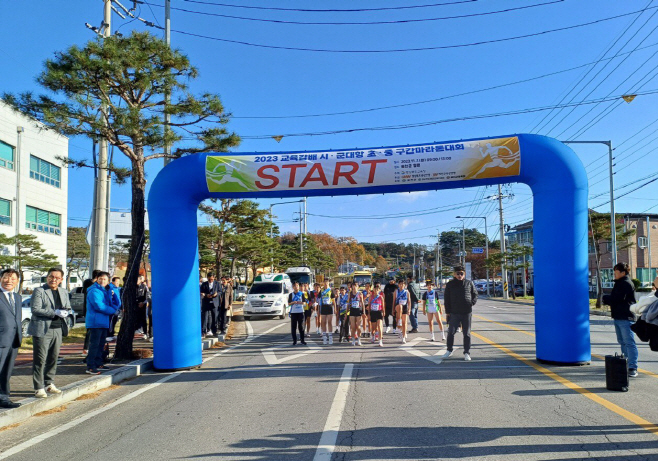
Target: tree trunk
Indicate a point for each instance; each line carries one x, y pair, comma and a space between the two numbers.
124, 348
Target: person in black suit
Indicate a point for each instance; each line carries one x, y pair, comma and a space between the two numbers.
210, 293
11, 336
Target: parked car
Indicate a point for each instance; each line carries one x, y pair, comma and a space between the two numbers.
518, 290
26, 315
77, 299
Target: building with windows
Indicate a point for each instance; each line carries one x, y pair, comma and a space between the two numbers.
521, 235
33, 185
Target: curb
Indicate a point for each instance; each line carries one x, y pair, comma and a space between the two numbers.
31, 405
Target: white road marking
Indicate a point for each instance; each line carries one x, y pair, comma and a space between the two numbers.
76, 422
436, 358
250, 330
272, 359
329, 436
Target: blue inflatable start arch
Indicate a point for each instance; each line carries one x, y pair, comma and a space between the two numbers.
552, 170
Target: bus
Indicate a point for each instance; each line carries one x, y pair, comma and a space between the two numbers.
301, 274
362, 277
342, 280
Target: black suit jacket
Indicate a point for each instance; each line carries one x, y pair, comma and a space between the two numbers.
10, 324
207, 288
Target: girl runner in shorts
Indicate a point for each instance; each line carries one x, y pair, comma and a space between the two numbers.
402, 309
432, 308
327, 311
343, 312
366, 312
356, 311
376, 314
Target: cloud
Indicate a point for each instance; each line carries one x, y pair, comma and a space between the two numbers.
408, 196
408, 222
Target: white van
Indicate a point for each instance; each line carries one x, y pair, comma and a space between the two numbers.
268, 296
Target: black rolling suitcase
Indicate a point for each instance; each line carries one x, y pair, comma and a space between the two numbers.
616, 373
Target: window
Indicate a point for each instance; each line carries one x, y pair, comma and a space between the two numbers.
42, 221
607, 278
5, 212
44, 171
644, 276
642, 242
6, 156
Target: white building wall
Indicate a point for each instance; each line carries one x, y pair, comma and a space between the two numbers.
45, 145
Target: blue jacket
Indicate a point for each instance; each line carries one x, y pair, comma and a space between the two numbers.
102, 304
117, 292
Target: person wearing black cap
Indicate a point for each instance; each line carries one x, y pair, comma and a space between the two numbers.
459, 298
389, 301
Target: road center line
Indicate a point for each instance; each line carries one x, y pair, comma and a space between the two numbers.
332, 426
635, 419
76, 422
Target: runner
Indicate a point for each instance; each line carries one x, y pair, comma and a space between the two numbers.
356, 311
376, 314
336, 292
432, 308
365, 319
402, 310
327, 310
296, 302
343, 312
316, 307
389, 303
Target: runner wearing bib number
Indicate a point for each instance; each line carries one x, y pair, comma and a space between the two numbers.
327, 311
432, 308
365, 319
296, 301
356, 311
376, 314
343, 313
402, 310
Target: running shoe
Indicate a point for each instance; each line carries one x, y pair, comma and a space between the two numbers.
447, 354
432, 338
632, 372
331, 339
358, 341
404, 340
381, 343
324, 339
467, 356
353, 342
388, 330
304, 343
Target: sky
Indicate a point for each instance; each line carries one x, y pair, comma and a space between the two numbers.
469, 58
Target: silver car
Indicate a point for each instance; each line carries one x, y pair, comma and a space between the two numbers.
26, 315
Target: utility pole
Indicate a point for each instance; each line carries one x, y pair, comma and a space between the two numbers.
301, 234
502, 243
305, 218
649, 246
439, 271
464, 243
17, 166
100, 215
167, 117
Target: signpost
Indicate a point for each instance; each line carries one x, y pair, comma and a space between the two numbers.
478, 250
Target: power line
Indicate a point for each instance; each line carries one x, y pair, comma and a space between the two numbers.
437, 122
400, 50
357, 23
541, 123
353, 10
629, 192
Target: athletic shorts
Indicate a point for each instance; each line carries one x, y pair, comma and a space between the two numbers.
327, 309
376, 315
405, 310
356, 312
308, 313
431, 310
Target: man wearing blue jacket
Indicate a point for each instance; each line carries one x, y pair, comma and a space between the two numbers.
114, 286
102, 304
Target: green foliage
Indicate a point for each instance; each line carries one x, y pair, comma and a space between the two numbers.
30, 255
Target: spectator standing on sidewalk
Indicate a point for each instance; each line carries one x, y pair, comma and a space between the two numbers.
210, 293
114, 286
620, 299
224, 306
85, 286
102, 304
228, 299
10, 332
389, 303
50, 307
414, 297
459, 298
143, 294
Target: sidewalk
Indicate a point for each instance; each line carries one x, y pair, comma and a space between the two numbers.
74, 382
604, 311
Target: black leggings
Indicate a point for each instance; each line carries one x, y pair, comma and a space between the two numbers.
388, 310
297, 323
344, 327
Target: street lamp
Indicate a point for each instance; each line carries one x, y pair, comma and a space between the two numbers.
486, 241
272, 228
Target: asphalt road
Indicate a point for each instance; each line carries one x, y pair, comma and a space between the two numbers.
265, 400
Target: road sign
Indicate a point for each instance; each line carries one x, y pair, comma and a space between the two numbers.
478, 250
